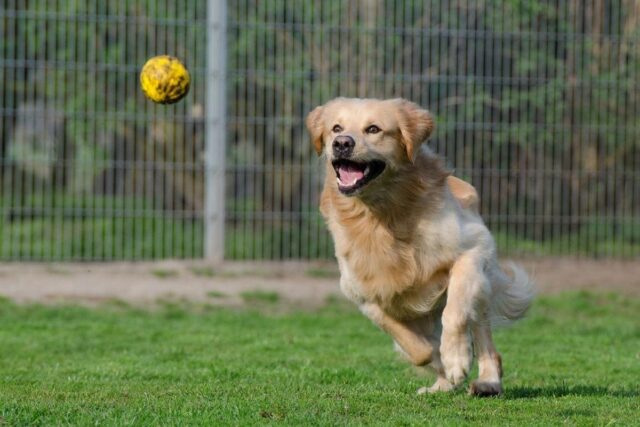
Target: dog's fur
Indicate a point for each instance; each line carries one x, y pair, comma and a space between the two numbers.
413, 252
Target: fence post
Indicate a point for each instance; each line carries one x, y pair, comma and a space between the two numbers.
215, 129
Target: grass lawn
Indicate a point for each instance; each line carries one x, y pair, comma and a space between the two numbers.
58, 227
575, 360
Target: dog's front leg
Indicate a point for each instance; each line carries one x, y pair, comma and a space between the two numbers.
417, 348
468, 287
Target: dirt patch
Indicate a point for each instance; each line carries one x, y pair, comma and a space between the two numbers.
144, 283
299, 283
553, 275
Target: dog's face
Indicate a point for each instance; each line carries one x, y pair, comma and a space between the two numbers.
366, 139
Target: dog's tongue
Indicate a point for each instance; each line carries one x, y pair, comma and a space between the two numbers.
350, 174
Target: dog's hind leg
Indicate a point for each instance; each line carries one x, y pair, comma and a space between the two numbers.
489, 382
417, 348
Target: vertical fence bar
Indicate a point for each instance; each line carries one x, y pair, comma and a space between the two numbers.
215, 129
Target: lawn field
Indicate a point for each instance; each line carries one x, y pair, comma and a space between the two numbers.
574, 360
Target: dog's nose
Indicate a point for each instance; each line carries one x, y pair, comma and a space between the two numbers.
343, 146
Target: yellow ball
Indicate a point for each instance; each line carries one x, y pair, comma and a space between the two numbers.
164, 79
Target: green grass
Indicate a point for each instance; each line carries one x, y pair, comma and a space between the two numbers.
203, 271
216, 294
256, 297
575, 360
323, 273
87, 239
164, 274
596, 239
58, 227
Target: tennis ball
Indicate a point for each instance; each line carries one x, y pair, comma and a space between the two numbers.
164, 79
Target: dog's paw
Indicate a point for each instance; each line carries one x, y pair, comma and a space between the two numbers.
455, 353
456, 374
485, 389
441, 385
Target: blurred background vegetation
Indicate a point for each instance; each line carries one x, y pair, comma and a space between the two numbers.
537, 104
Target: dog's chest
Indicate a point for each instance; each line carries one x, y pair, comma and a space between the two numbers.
408, 276
398, 293
374, 258
377, 267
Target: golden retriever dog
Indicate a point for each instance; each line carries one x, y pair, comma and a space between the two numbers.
414, 253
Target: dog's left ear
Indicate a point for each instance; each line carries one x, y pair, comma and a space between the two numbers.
314, 126
416, 124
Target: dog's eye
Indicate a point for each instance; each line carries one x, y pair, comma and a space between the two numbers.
373, 129
337, 128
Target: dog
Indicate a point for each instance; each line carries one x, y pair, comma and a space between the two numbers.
414, 253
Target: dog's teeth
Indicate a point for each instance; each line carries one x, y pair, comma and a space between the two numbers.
366, 170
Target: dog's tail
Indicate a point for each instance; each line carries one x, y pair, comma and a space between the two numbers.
511, 296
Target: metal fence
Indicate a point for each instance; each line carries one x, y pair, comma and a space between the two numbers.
537, 103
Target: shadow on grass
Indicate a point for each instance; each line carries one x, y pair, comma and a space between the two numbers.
560, 391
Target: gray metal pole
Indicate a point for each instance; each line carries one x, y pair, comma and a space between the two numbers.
215, 129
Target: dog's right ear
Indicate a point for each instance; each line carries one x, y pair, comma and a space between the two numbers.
315, 126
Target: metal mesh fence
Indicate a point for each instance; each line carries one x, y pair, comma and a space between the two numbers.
90, 169
536, 103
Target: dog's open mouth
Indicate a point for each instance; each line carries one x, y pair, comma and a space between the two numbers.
352, 176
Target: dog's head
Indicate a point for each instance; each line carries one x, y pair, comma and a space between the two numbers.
365, 139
